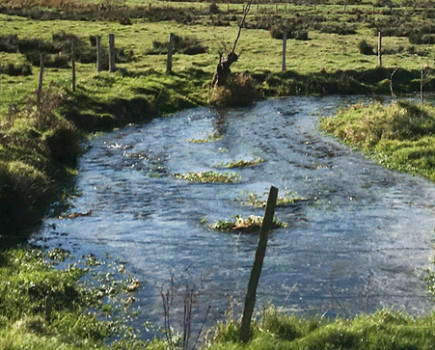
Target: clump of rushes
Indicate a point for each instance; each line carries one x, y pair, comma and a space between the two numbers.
283, 201
250, 224
210, 138
240, 163
209, 177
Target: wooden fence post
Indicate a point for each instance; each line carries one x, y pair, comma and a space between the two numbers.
393, 95
41, 78
422, 84
73, 65
170, 49
98, 44
258, 265
111, 53
284, 45
380, 49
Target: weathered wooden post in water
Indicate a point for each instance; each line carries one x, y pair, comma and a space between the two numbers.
170, 50
111, 53
41, 78
98, 44
73, 66
284, 47
251, 292
380, 49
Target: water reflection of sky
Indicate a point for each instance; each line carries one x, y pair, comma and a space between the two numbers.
362, 241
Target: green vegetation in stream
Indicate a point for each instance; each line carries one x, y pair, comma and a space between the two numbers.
209, 177
240, 163
250, 224
253, 200
400, 135
210, 138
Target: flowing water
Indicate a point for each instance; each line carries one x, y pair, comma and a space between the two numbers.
361, 242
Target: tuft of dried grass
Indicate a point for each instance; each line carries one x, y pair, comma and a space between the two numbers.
238, 92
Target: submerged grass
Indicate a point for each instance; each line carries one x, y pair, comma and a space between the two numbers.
400, 135
250, 224
210, 138
209, 177
240, 163
253, 200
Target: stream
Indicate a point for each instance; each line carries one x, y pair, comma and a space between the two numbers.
360, 242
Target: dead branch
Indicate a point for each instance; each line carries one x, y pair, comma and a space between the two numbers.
223, 70
245, 13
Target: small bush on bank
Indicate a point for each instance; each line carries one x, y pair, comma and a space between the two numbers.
9, 43
365, 49
298, 34
419, 38
213, 9
239, 91
183, 45
16, 69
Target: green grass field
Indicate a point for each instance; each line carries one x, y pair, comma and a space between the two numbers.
39, 146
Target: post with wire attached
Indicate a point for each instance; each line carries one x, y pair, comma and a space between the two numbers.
251, 292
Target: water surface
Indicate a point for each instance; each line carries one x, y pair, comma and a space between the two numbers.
360, 243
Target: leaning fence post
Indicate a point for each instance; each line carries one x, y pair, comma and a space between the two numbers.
41, 78
111, 53
73, 66
258, 265
98, 44
422, 84
284, 44
170, 48
380, 49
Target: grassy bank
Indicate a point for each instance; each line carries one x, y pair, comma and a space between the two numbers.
399, 136
46, 308
382, 330
43, 307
